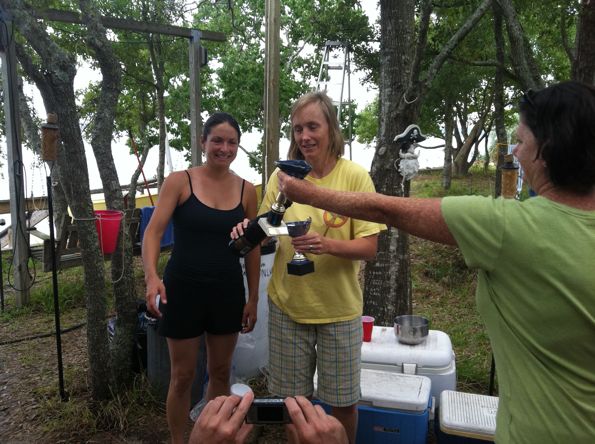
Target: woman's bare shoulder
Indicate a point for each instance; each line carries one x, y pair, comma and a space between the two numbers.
249, 185
177, 176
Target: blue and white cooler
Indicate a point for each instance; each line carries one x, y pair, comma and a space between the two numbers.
394, 408
433, 358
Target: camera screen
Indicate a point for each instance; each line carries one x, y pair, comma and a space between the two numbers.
270, 413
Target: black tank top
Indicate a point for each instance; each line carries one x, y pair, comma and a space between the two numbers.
201, 236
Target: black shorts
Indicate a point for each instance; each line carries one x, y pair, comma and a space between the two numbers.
214, 304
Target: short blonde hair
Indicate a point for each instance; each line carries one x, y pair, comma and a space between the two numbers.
336, 141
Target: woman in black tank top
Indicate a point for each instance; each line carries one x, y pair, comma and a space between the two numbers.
203, 288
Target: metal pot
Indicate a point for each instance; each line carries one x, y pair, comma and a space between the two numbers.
411, 329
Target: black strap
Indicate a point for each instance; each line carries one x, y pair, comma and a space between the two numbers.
190, 182
242, 193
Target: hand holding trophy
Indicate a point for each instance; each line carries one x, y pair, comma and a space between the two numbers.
271, 223
299, 264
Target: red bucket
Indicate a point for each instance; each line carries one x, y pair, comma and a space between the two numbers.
107, 223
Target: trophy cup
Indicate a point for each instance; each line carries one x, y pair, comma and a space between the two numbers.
271, 223
299, 265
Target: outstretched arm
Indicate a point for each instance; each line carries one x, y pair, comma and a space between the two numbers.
419, 217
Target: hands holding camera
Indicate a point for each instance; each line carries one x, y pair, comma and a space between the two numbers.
222, 421
310, 423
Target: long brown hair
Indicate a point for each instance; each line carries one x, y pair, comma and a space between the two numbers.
336, 143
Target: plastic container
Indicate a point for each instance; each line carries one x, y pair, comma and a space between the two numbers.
158, 370
107, 223
394, 408
433, 357
466, 418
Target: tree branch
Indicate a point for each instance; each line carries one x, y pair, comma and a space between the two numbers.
422, 39
432, 71
522, 57
570, 52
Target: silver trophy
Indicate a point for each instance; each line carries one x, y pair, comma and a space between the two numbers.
299, 264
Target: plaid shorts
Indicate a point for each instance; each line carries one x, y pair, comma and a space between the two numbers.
295, 350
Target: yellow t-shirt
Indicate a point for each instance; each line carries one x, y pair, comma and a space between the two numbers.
332, 293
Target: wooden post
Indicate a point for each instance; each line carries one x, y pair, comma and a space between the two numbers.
15, 166
271, 86
195, 119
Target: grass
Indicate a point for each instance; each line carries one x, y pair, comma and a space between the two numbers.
443, 291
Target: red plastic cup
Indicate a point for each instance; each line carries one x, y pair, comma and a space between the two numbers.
368, 324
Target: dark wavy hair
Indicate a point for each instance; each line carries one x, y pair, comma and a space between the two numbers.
336, 141
218, 119
562, 119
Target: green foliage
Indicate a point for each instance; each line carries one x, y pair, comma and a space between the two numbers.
236, 68
478, 182
69, 293
366, 123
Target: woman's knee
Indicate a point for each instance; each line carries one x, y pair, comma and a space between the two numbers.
181, 379
219, 373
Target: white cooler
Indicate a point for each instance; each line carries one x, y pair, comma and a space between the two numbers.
433, 358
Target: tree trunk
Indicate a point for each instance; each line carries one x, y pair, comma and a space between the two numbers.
583, 68
387, 279
402, 85
56, 87
122, 270
158, 71
448, 134
145, 146
461, 163
501, 135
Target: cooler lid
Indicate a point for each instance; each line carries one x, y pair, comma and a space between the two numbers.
468, 414
395, 390
434, 352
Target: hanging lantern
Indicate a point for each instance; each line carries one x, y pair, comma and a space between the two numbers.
49, 138
510, 175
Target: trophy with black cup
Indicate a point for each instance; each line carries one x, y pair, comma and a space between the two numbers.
299, 265
270, 223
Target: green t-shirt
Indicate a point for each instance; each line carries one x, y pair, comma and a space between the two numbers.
332, 293
536, 295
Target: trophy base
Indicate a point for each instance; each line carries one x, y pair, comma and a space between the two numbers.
300, 268
272, 230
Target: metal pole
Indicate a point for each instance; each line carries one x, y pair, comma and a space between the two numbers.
350, 115
2, 223
15, 162
271, 107
63, 394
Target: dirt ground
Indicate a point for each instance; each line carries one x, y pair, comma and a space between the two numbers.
28, 374
29, 386
29, 391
